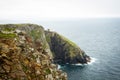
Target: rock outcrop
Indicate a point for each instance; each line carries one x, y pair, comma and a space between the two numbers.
28, 52
25, 54
64, 50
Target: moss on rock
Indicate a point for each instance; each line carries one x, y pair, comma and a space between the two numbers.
10, 35
24, 54
65, 51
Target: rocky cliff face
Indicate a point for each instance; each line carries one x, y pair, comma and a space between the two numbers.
25, 54
64, 50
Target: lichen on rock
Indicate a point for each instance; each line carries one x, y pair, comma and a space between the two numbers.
25, 54
28, 52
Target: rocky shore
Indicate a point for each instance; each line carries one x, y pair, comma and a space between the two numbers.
28, 52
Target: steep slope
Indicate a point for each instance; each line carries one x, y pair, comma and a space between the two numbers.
64, 50
25, 54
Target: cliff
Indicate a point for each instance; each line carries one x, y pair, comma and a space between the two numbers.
28, 52
25, 54
64, 50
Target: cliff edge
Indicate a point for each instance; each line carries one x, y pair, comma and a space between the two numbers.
25, 54
64, 50
28, 52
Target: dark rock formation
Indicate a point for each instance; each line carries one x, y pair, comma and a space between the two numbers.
25, 54
64, 50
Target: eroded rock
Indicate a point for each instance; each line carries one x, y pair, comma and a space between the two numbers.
64, 50
25, 54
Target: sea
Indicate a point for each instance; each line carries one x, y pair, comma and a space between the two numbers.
99, 38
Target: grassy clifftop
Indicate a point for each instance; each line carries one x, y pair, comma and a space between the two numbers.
32, 30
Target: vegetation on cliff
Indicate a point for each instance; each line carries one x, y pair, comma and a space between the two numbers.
28, 52
65, 51
25, 54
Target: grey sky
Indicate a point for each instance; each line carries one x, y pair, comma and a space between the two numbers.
58, 9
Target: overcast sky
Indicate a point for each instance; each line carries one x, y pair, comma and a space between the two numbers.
58, 9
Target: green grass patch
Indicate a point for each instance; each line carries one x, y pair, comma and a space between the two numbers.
8, 29
10, 35
67, 40
48, 71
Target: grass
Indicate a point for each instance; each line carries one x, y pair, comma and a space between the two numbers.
10, 35
66, 39
70, 46
8, 29
48, 71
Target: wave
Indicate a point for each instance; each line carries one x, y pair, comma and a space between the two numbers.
92, 60
59, 66
89, 63
78, 64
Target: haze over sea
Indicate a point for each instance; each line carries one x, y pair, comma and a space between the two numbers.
100, 39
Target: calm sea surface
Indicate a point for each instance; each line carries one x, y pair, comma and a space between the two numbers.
100, 39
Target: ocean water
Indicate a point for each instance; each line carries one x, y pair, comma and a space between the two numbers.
100, 39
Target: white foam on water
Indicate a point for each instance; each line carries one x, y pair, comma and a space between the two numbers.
59, 67
92, 60
78, 64
89, 63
